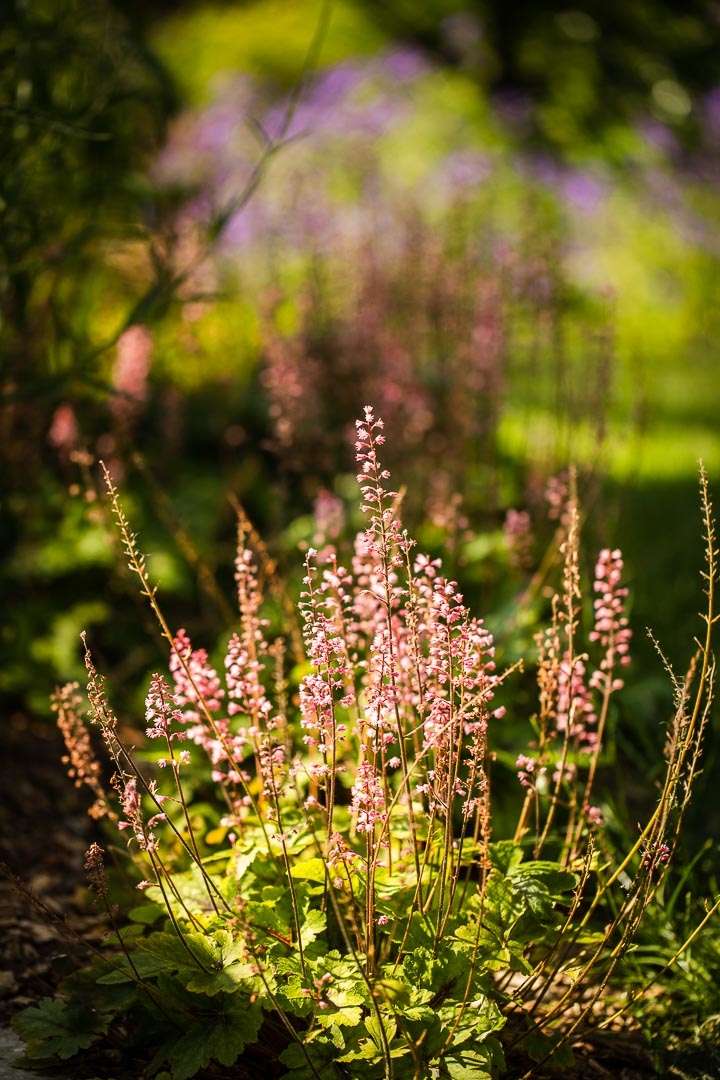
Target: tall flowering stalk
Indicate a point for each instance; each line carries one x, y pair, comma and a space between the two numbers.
325, 605
83, 766
563, 701
379, 725
574, 691
131, 786
163, 716
248, 652
613, 634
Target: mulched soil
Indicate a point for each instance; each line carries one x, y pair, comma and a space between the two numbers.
44, 833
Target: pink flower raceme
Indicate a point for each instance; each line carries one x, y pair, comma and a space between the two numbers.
384, 533
196, 683
199, 695
162, 711
131, 803
611, 627
576, 711
368, 798
527, 770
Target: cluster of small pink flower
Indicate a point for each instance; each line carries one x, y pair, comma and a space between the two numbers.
341, 855
162, 711
654, 854
556, 496
611, 627
329, 514
573, 695
197, 685
95, 870
368, 797
82, 764
325, 607
384, 533
527, 770
200, 695
576, 712
131, 802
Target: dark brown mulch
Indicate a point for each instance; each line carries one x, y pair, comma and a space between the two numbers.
44, 833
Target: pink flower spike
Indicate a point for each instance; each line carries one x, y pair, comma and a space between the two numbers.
161, 710
197, 684
611, 629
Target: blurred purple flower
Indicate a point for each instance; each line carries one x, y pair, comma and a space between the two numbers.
405, 64
465, 169
336, 83
657, 136
218, 128
584, 190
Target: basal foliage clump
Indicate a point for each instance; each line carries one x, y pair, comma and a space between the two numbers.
347, 910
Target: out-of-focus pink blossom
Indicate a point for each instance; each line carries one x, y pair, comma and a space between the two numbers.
133, 360
64, 431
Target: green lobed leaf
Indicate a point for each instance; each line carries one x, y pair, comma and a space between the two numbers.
54, 1029
505, 855
313, 925
211, 962
486, 1061
348, 1003
268, 916
229, 980
480, 1018
344, 1016
393, 991
168, 949
424, 1027
445, 974
374, 1030
293, 1001
218, 1036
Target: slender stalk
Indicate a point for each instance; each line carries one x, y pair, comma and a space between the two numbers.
136, 563
667, 967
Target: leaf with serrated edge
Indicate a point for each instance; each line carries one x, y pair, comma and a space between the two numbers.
221, 1037
51, 1029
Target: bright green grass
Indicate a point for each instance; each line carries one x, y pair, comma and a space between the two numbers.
665, 451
